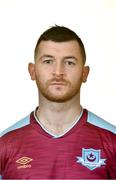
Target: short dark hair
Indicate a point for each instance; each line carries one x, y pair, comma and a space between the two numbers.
60, 34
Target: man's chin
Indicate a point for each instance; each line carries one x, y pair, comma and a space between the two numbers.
58, 98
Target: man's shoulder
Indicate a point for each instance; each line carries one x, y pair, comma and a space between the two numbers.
101, 123
19, 124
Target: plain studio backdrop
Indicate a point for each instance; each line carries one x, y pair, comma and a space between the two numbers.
22, 22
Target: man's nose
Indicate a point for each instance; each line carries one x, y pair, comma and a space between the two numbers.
58, 69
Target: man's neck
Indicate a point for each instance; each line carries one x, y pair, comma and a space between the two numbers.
58, 117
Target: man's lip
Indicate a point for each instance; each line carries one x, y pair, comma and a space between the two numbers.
58, 83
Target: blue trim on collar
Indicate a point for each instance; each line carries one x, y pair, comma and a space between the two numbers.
97, 121
21, 123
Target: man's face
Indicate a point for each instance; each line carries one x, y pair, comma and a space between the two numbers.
59, 70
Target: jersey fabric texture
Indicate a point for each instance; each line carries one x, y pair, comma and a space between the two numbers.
87, 151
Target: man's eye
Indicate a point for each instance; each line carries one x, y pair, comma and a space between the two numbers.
48, 61
70, 63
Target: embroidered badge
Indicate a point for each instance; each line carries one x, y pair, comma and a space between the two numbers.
91, 158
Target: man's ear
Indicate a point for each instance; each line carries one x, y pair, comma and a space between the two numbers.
31, 69
86, 70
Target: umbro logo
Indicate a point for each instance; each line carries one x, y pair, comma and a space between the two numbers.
24, 162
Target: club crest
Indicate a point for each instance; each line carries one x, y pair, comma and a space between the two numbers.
91, 158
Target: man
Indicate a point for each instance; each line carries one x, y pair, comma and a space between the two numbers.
60, 139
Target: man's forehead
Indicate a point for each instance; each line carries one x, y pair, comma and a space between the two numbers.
59, 47
50, 43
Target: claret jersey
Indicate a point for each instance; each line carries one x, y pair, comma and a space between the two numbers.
86, 151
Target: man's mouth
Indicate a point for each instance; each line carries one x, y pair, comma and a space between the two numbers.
58, 83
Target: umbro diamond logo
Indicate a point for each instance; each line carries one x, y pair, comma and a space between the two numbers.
23, 162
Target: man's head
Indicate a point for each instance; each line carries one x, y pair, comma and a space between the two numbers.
59, 68
60, 34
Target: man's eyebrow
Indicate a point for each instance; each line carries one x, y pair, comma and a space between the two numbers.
70, 57
50, 56
46, 56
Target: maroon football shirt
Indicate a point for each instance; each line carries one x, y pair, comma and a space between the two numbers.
84, 152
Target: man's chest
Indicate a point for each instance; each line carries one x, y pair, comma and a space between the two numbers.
73, 158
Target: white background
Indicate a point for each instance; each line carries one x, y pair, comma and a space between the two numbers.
21, 23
